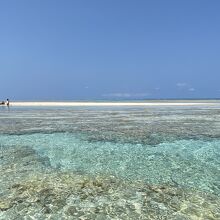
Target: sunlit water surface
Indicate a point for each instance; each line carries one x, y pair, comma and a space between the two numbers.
159, 148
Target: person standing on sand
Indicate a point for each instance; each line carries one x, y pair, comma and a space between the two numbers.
7, 102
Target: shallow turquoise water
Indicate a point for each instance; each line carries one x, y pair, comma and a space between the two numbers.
174, 146
192, 163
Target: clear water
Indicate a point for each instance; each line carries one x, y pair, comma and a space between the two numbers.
175, 148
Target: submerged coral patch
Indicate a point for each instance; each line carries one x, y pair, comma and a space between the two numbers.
45, 192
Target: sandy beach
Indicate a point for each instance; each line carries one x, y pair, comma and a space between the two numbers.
149, 103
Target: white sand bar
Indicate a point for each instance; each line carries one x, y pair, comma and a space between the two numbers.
147, 103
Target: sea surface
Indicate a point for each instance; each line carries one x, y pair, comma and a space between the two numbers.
154, 162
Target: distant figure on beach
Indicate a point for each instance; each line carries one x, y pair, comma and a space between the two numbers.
7, 102
2, 103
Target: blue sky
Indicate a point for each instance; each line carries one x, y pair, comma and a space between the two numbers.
112, 49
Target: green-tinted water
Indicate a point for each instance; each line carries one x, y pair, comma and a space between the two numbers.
110, 163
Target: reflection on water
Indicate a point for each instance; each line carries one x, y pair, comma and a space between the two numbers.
110, 163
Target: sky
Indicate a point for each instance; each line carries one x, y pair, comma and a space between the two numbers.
111, 49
